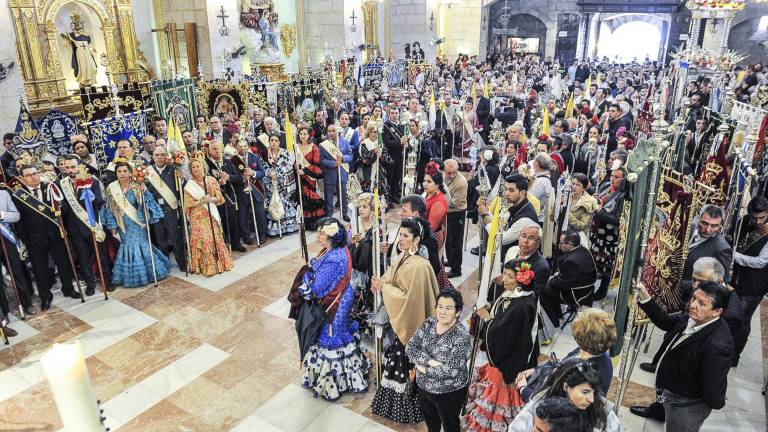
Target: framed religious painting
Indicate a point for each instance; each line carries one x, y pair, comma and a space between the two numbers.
225, 100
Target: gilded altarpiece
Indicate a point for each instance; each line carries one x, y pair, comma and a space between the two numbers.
38, 43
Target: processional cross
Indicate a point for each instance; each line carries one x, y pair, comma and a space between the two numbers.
224, 30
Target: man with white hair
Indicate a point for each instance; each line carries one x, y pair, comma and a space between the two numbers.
273, 128
457, 213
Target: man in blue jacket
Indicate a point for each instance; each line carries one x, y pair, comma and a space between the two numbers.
335, 157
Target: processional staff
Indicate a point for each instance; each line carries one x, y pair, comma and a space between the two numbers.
84, 181
139, 175
55, 195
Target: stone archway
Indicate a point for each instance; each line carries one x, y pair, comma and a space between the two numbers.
631, 35
521, 32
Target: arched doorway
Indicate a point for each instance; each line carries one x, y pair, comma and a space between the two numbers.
628, 37
519, 32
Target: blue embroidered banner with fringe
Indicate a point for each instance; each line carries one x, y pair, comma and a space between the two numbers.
107, 132
55, 130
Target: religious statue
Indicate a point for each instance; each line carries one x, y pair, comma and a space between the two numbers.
83, 53
260, 34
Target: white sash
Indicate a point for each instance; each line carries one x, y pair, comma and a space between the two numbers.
264, 139
301, 159
334, 151
121, 200
348, 134
155, 180
74, 204
198, 193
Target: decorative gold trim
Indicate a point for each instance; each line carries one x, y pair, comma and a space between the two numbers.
288, 37
242, 89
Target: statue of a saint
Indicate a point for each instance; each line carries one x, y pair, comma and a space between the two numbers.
83, 53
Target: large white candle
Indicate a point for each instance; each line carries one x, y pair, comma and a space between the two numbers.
64, 366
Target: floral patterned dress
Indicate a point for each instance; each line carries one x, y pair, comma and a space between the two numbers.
335, 364
282, 165
313, 203
209, 254
134, 265
367, 161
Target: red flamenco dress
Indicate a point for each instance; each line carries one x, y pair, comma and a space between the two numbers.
510, 342
313, 203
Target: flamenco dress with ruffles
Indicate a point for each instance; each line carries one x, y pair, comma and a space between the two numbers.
334, 364
133, 264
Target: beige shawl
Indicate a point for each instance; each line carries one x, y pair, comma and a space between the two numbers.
410, 294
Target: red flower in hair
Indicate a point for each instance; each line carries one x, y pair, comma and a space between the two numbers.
432, 168
543, 137
524, 274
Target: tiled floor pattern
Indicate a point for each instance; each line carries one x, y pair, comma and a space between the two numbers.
219, 354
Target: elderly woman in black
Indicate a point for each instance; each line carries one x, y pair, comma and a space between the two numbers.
440, 349
508, 331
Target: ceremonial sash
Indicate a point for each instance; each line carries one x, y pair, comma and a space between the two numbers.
33, 203
394, 131
348, 134
264, 139
467, 124
74, 204
121, 200
5, 230
198, 193
300, 158
157, 182
334, 151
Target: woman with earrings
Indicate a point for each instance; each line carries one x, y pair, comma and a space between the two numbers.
436, 214
508, 330
362, 253
334, 364
409, 290
577, 381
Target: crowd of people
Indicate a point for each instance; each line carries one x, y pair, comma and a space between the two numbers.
558, 189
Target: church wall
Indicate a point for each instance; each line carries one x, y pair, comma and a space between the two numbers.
461, 28
323, 23
182, 11
144, 22
410, 23
11, 86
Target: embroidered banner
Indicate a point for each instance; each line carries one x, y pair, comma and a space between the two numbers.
55, 130
667, 247
106, 133
27, 137
176, 99
99, 103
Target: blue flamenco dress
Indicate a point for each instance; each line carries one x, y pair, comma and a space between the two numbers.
133, 264
334, 364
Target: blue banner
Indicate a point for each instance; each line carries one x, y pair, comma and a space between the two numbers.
55, 130
107, 132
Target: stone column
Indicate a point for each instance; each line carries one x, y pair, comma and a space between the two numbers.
583, 40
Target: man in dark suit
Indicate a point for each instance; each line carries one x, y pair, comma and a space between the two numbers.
217, 131
9, 214
616, 120
168, 231
6, 160
705, 269
706, 240
574, 282
79, 233
252, 171
229, 182
39, 229
317, 129
483, 113
692, 374
393, 136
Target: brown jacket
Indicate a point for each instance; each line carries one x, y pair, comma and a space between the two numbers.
457, 189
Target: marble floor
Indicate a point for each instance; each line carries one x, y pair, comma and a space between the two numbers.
219, 354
